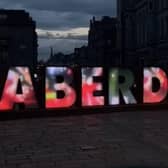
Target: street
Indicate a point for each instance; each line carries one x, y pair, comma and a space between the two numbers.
125, 139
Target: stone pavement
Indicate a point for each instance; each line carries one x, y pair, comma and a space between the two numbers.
127, 139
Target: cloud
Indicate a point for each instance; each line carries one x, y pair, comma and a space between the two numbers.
60, 22
54, 14
97, 7
77, 33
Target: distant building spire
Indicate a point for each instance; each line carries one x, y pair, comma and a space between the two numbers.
51, 52
94, 18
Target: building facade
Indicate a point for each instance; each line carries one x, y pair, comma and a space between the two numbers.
102, 41
60, 59
81, 56
102, 49
18, 39
143, 32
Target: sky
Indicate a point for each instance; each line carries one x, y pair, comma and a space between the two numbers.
62, 24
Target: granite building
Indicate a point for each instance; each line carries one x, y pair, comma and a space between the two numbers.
102, 41
81, 56
18, 39
60, 59
102, 49
143, 32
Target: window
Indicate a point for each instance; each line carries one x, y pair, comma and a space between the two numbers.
165, 3
166, 25
3, 51
150, 5
161, 29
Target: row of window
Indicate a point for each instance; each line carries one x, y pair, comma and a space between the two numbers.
162, 24
163, 28
141, 34
161, 33
163, 4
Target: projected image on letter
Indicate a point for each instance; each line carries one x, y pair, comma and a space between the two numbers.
59, 90
121, 81
90, 87
113, 87
155, 85
18, 89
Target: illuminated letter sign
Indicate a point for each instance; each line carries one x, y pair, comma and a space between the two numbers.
89, 87
96, 87
115, 86
155, 85
59, 93
10, 94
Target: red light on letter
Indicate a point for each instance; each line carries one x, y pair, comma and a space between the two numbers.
89, 87
153, 93
10, 95
59, 93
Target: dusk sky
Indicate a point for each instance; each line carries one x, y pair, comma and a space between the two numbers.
62, 24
